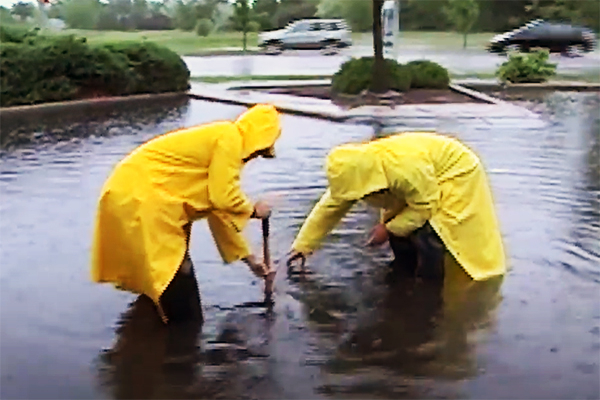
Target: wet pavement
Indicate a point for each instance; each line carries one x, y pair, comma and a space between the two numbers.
342, 332
313, 63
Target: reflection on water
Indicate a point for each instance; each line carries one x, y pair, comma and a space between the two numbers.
345, 330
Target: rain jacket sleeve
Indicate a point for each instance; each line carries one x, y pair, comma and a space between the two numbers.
326, 214
417, 184
231, 207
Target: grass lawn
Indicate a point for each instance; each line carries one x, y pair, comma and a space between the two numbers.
188, 43
183, 43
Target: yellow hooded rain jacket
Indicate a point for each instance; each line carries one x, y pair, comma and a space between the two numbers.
428, 177
147, 204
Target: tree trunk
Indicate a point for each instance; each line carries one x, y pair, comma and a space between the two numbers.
465, 40
245, 32
379, 83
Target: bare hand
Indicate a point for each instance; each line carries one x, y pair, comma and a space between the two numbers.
262, 210
294, 256
258, 268
379, 235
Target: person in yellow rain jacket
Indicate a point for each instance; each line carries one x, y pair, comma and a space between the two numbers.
434, 196
148, 204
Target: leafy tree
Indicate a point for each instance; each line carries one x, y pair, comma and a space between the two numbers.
55, 10
207, 8
423, 15
578, 12
358, 13
241, 17
222, 16
139, 12
462, 14
185, 15
290, 10
121, 7
5, 16
204, 27
23, 10
81, 14
264, 11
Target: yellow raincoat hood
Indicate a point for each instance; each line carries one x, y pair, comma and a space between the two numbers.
353, 172
260, 129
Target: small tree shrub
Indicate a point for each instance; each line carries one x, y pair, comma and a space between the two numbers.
428, 75
530, 67
204, 27
355, 75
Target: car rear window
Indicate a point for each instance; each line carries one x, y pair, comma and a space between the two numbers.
332, 26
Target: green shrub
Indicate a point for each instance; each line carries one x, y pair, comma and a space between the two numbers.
253, 26
428, 75
355, 75
17, 34
204, 27
157, 68
530, 67
66, 68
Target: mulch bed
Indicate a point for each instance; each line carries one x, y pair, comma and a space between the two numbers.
415, 96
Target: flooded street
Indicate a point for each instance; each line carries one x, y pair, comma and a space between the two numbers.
344, 331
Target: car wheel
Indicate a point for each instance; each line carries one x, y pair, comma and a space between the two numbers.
575, 50
330, 48
512, 48
274, 48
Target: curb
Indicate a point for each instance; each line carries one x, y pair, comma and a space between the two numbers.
221, 52
520, 87
84, 105
475, 94
24, 115
284, 109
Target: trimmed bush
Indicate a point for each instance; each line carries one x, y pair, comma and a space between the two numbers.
204, 27
66, 68
17, 34
253, 26
428, 75
355, 75
157, 68
530, 67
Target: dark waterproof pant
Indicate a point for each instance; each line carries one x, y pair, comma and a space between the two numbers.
420, 254
181, 300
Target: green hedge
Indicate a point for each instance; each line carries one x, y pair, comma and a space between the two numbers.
37, 69
427, 74
355, 75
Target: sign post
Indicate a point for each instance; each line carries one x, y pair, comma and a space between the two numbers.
390, 16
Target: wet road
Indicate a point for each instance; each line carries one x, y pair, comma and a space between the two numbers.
312, 63
344, 332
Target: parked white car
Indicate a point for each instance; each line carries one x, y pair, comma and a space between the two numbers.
329, 35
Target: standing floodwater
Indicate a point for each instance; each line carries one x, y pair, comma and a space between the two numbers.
344, 332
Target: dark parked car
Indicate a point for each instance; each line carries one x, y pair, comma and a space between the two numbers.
557, 38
